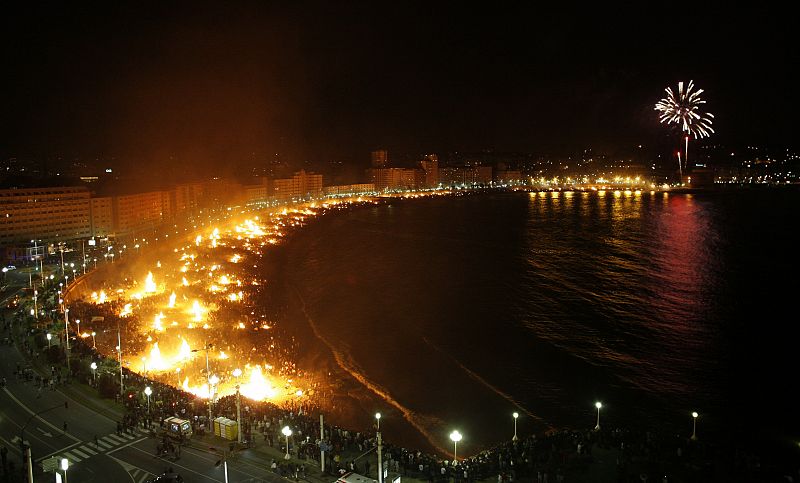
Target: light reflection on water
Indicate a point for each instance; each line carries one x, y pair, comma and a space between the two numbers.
463, 310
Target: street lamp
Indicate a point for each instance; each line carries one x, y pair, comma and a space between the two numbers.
208, 382
378, 436
66, 337
49, 337
148, 392
93, 365
237, 373
694, 425
212, 393
287, 431
598, 405
516, 415
94, 343
456, 437
64, 466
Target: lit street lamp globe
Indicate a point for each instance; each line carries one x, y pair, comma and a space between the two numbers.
455, 436
598, 405
93, 365
147, 390
287, 431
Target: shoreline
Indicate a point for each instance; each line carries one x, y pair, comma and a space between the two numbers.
290, 240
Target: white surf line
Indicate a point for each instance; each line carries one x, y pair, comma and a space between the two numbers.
65, 448
125, 445
409, 415
481, 380
58, 430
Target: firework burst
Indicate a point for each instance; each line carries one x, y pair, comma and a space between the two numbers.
683, 109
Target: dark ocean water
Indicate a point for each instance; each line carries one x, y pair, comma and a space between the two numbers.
451, 313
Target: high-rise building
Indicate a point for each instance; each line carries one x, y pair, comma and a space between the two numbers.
396, 178
102, 216
380, 158
430, 165
300, 185
49, 214
140, 211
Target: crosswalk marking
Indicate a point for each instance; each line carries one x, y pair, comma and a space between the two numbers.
118, 439
86, 450
139, 475
72, 458
79, 453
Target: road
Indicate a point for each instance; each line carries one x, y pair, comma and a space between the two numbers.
97, 454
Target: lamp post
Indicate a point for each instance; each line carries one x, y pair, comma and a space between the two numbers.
287, 431
94, 342
516, 415
598, 405
64, 466
208, 381
456, 437
148, 392
119, 352
212, 393
378, 436
694, 425
93, 365
78, 321
49, 337
237, 373
66, 337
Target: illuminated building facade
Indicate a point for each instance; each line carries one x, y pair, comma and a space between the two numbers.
350, 189
301, 185
52, 214
380, 158
430, 165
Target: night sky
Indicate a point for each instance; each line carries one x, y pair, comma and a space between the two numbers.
214, 83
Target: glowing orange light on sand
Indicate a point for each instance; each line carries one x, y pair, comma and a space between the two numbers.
149, 283
197, 311
258, 388
126, 311
156, 362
